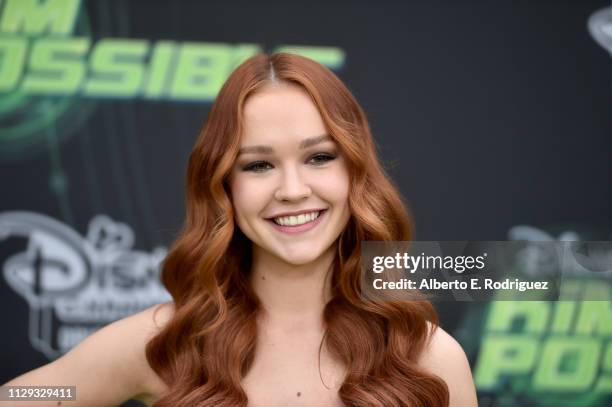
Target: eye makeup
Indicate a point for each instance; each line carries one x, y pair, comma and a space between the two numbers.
261, 165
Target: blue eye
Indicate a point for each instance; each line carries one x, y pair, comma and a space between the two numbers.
256, 166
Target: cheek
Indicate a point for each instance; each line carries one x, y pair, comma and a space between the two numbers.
335, 186
248, 197
239, 197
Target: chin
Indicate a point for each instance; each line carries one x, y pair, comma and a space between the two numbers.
301, 257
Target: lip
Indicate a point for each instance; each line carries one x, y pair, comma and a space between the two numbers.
300, 228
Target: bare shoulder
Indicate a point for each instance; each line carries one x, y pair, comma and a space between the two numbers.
444, 357
145, 325
109, 366
154, 318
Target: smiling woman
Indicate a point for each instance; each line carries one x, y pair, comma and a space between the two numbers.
289, 190
283, 185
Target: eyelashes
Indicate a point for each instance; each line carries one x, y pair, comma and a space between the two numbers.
256, 166
261, 166
324, 158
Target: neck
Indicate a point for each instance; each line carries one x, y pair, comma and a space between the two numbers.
289, 292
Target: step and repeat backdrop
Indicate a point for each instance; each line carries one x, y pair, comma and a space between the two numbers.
494, 118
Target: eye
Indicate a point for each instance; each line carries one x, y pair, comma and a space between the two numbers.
322, 158
257, 166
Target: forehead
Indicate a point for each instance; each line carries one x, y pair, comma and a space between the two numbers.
283, 110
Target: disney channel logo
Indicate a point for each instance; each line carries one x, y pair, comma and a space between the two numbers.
75, 284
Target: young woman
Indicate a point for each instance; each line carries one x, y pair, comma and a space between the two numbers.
282, 186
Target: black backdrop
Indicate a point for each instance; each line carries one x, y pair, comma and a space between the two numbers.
488, 115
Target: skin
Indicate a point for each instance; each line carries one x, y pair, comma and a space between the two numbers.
289, 274
289, 179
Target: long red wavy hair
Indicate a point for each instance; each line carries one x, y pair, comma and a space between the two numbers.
208, 345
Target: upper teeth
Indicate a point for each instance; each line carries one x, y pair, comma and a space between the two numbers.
296, 220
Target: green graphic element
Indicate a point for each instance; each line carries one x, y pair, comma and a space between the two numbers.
595, 317
331, 57
511, 355
55, 67
40, 70
51, 71
118, 69
12, 55
567, 365
25, 118
553, 353
40, 56
162, 56
605, 383
35, 17
522, 316
125, 68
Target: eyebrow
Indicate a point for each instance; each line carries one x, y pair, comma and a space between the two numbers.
307, 142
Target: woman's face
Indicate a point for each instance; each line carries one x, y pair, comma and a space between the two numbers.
290, 182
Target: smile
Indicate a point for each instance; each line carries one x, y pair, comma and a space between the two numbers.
297, 224
296, 220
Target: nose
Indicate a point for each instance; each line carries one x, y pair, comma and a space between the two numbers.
292, 186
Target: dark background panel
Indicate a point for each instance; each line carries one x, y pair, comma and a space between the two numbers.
487, 115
